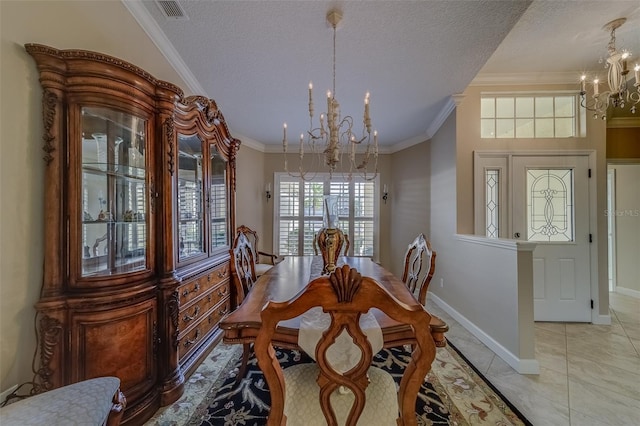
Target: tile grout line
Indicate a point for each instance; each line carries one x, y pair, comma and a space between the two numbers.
486, 373
613, 311
566, 358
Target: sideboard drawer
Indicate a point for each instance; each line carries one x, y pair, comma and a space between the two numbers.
192, 339
192, 314
193, 288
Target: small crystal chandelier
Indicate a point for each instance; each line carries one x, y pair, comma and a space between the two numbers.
618, 95
333, 138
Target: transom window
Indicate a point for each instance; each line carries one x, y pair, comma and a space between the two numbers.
299, 207
529, 116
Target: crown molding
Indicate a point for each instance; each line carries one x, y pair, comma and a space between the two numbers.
452, 102
250, 142
407, 143
621, 122
148, 24
433, 128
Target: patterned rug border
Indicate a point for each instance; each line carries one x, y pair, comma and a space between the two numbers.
478, 375
456, 416
195, 418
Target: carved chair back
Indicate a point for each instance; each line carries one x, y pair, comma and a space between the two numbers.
242, 267
345, 295
419, 256
261, 258
252, 237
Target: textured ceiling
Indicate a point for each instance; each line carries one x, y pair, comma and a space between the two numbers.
256, 58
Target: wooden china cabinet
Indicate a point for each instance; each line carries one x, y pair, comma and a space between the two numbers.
199, 178
139, 208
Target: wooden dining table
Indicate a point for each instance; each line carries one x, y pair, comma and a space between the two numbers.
286, 279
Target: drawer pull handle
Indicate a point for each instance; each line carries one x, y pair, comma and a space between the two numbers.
222, 274
222, 311
188, 318
195, 339
222, 292
186, 292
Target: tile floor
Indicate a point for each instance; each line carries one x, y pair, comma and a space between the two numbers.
589, 374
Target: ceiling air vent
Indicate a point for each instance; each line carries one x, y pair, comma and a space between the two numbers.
171, 9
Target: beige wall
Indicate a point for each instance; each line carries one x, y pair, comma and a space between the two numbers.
443, 205
250, 194
63, 25
623, 142
627, 227
468, 140
486, 285
409, 191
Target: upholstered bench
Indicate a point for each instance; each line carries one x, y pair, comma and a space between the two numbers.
93, 402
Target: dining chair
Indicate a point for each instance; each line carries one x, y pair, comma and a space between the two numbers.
263, 261
243, 278
419, 253
318, 393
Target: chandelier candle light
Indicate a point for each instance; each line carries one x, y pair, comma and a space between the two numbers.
338, 132
618, 94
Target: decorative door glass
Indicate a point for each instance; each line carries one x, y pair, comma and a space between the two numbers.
550, 205
190, 197
218, 199
492, 202
114, 206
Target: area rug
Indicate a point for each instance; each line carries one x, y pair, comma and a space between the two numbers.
453, 393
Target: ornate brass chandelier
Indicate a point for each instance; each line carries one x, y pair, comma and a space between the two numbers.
333, 138
618, 95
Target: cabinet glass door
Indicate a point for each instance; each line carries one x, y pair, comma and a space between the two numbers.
114, 204
218, 200
190, 197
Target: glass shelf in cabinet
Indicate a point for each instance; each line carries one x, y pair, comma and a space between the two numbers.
122, 171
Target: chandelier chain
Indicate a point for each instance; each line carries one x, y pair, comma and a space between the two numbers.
334, 60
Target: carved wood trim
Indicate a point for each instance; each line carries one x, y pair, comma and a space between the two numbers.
174, 309
211, 112
33, 48
49, 102
346, 283
169, 133
233, 152
50, 336
119, 403
153, 195
156, 340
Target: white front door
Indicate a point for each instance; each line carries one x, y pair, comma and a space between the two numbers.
551, 207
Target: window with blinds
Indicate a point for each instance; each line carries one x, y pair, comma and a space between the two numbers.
299, 208
218, 211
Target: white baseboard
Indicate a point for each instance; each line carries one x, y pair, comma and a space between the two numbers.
522, 366
601, 319
628, 292
7, 392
